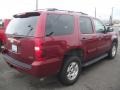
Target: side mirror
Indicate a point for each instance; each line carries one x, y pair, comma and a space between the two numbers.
109, 29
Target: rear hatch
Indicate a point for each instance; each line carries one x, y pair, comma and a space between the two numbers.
20, 37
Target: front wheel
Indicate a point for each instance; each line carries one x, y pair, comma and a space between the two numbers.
70, 71
113, 51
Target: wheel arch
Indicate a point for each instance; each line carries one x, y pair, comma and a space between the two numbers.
115, 40
75, 51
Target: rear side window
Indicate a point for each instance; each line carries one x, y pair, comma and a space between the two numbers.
59, 24
85, 25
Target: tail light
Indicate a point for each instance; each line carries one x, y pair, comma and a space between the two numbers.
38, 51
38, 48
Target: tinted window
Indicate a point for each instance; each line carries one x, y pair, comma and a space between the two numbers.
22, 26
99, 27
85, 25
59, 24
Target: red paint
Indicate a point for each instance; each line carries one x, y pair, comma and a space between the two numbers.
47, 59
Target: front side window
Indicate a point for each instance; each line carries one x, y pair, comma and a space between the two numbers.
59, 24
99, 27
85, 25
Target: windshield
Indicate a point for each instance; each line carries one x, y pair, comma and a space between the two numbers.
22, 26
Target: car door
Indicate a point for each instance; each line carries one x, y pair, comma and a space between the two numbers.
104, 38
88, 38
59, 34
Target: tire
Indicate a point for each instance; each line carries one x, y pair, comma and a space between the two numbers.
113, 51
70, 71
0, 46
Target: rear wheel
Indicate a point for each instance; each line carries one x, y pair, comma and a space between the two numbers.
70, 71
113, 51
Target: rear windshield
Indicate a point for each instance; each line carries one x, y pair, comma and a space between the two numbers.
22, 26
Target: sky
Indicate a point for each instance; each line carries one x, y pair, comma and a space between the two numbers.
103, 7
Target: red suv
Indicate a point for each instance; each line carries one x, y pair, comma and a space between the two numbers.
59, 42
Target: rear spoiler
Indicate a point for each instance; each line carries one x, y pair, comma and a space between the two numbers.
28, 14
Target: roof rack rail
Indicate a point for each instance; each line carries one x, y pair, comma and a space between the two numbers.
55, 9
77, 12
52, 9
83, 13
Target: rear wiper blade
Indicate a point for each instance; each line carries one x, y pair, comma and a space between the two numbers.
51, 33
31, 28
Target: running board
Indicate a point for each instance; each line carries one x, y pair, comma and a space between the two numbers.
95, 60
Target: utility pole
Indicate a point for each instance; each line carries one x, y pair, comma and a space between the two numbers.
36, 5
112, 13
95, 12
111, 17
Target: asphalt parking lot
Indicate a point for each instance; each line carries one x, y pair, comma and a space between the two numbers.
103, 75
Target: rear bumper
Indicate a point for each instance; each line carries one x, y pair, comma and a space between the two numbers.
37, 68
16, 62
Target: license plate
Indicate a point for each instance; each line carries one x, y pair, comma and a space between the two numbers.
14, 48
